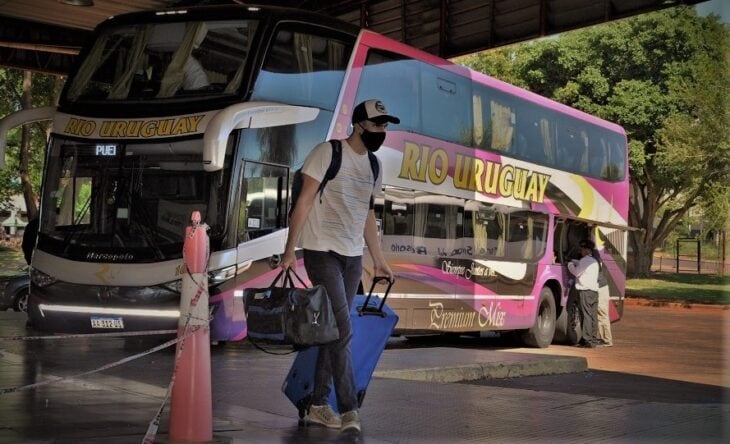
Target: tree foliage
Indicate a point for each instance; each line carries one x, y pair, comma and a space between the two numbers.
664, 77
41, 91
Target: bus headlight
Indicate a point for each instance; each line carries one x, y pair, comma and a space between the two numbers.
41, 279
218, 276
174, 286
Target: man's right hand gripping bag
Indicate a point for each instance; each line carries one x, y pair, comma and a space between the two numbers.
372, 324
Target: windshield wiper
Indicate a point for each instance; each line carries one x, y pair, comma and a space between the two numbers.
145, 229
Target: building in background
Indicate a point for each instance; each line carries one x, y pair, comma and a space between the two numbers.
14, 218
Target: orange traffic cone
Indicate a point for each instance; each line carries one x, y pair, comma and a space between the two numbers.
191, 411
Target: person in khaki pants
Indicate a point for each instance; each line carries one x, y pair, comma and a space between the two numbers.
602, 314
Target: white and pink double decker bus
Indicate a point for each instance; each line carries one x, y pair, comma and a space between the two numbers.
487, 187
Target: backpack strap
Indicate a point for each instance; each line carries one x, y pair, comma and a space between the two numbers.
375, 167
336, 163
334, 167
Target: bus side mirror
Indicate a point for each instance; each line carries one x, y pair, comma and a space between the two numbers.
21, 117
247, 115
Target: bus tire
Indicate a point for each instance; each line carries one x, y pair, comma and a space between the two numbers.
541, 334
568, 326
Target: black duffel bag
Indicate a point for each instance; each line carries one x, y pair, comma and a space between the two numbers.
288, 315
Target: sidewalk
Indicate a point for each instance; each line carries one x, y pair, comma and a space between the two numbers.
413, 398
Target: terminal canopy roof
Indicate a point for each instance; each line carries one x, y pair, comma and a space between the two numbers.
45, 35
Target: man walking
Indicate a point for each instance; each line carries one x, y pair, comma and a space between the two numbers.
330, 228
585, 271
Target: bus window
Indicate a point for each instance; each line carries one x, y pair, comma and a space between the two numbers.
518, 241
438, 217
303, 69
263, 207
399, 205
285, 144
606, 155
503, 121
498, 124
478, 127
435, 218
398, 221
547, 134
488, 229
527, 235
435, 104
616, 163
476, 219
394, 78
535, 137
74, 200
445, 101
378, 211
482, 122
528, 135
573, 147
161, 60
599, 157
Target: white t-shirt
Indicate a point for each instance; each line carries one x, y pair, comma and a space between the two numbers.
337, 223
586, 273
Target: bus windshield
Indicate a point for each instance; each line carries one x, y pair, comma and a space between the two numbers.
164, 61
127, 203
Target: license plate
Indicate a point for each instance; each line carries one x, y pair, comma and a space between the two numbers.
106, 322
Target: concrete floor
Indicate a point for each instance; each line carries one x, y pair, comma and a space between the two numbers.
419, 394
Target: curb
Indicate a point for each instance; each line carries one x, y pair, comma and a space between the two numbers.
551, 365
644, 302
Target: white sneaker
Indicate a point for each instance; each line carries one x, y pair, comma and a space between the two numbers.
350, 421
324, 415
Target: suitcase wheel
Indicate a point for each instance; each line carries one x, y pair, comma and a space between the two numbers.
303, 406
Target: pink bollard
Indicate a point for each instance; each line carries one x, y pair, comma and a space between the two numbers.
191, 410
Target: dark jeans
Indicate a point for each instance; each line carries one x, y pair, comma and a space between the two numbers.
340, 276
588, 317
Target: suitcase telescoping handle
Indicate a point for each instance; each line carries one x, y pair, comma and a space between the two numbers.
366, 308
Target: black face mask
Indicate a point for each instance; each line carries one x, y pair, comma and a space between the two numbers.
372, 140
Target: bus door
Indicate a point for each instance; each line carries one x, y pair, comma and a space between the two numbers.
567, 236
263, 203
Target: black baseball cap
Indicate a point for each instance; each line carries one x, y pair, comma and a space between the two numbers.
372, 110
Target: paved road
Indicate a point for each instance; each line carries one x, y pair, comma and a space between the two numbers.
663, 354
665, 380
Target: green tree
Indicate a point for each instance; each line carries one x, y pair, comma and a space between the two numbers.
662, 76
25, 151
500, 64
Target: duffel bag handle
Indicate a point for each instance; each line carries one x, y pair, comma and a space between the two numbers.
366, 309
287, 282
276, 280
289, 272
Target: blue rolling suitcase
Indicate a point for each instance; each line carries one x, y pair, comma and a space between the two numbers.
372, 324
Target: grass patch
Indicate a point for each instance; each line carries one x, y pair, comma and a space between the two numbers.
682, 288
